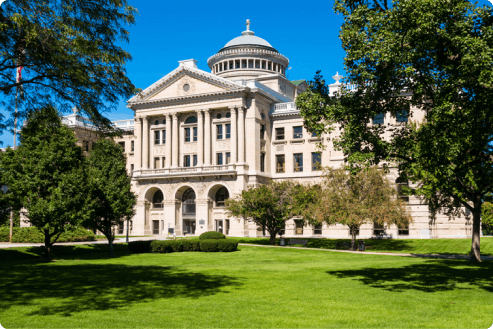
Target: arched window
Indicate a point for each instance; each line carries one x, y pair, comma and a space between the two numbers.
156, 122
157, 199
188, 202
402, 186
221, 195
164, 121
191, 119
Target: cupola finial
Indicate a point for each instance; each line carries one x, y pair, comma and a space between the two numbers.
248, 24
247, 32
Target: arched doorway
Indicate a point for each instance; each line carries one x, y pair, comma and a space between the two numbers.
220, 221
188, 211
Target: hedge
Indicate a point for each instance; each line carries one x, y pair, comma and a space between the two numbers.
34, 235
140, 246
211, 245
211, 235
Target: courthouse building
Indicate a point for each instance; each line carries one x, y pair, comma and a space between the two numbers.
199, 137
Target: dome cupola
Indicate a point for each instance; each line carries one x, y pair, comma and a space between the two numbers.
247, 56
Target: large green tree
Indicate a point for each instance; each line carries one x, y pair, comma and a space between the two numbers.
268, 206
435, 56
111, 200
47, 175
353, 199
69, 54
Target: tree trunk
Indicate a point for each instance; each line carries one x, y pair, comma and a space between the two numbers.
112, 253
353, 237
47, 245
476, 229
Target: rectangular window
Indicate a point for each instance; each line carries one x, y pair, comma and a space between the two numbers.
131, 168
262, 131
122, 144
219, 159
157, 138
219, 132
404, 230
132, 146
187, 134
280, 163
228, 157
298, 132
156, 163
378, 229
316, 161
317, 229
298, 162
194, 160
163, 162
120, 228
299, 227
262, 162
186, 161
163, 135
195, 134
228, 131
402, 116
378, 119
279, 134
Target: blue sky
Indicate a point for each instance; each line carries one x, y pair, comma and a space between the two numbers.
172, 30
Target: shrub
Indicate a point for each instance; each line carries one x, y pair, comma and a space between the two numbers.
162, 246
214, 245
190, 245
34, 235
140, 246
211, 235
177, 245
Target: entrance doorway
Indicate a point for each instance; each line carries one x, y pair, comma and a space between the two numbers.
222, 226
155, 227
188, 211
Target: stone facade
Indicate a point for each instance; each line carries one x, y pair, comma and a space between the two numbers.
198, 134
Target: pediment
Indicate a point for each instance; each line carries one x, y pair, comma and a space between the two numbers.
187, 85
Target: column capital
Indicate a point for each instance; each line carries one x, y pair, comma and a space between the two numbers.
241, 109
174, 115
145, 118
232, 107
207, 112
199, 111
168, 115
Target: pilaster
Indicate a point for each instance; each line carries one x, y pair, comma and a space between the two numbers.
207, 139
174, 140
145, 143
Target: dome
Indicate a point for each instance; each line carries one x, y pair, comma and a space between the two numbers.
248, 40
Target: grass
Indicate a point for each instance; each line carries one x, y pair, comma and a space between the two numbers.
408, 246
250, 288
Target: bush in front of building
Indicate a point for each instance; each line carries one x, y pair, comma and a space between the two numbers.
216, 245
211, 235
140, 246
33, 235
211, 245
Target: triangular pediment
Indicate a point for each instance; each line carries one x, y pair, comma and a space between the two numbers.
186, 81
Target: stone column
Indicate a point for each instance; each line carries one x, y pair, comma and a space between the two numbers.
241, 135
174, 140
207, 139
234, 135
168, 140
200, 139
145, 144
138, 143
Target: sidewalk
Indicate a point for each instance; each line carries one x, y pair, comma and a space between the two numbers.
102, 241
377, 253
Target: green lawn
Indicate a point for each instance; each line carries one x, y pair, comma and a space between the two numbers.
251, 288
410, 246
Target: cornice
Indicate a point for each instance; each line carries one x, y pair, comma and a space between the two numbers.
189, 97
155, 87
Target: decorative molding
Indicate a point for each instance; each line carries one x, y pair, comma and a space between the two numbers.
185, 80
221, 146
160, 150
190, 147
174, 75
247, 51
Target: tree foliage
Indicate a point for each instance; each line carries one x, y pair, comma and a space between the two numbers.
365, 197
111, 200
405, 56
268, 206
487, 217
68, 52
46, 175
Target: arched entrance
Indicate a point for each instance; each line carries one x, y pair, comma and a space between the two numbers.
188, 211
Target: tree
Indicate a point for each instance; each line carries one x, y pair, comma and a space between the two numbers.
354, 199
404, 56
487, 217
111, 199
47, 176
268, 206
68, 54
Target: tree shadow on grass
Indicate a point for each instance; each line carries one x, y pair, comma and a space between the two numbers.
78, 288
432, 276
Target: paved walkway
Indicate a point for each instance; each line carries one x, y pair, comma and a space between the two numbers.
117, 240
377, 253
